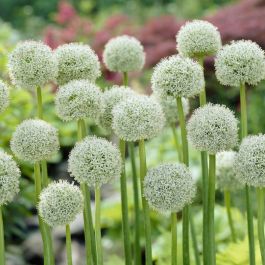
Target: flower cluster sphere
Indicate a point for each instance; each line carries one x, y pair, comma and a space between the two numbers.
4, 96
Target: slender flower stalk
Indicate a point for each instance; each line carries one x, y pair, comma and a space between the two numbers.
261, 219
98, 226
2, 240
227, 197
173, 238
175, 135
194, 240
68, 245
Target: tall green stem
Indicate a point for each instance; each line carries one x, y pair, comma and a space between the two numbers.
244, 132
125, 79
137, 225
39, 103
175, 135
98, 226
261, 218
2, 240
210, 214
90, 242
146, 211
68, 245
194, 241
173, 238
124, 205
227, 197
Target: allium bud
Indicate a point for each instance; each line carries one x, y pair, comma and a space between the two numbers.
169, 106
9, 178
178, 77
94, 161
225, 171
59, 203
250, 161
79, 99
124, 54
34, 140
111, 98
198, 38
4, 96
138, 118
240, 62
213, 128
77, 61
169, 187
32, 64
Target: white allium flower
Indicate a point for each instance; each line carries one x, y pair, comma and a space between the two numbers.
60, 203
169, 106
34, 140
77, 61
213, 128
32, 64
111, 98
138, 118
79, 99
240, 62
169, 187
178, 77
4, 96
226, 179
198, 38
9, 178
94, 161
124, 54
250, 161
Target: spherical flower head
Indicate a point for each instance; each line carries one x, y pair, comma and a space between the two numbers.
177, 76
169, 106
32, 64
79, 99
4, 96
225, 172
138, 118
250, 161
77, 61
213, 128
59, 203
124, 54
94, 161
34, 140
198, 39
111, 98
240, 62
9, 178
169, 187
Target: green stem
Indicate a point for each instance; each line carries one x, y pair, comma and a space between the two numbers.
174, 238
261, 218
210, 215
227, 197
137, 231
68, 245
244, 132
98, 226
175, 135
44, 171
194, 241
124, 207
146, 211
39, 103
125, 78
2, 240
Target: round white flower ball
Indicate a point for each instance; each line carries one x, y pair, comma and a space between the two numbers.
213, 128
250, 161
60, 203
76, 61
111, 98
4, 96
34, 140
226, 179
241, 62
177, 76
124, 54
79, 99
32, 64
95, 161
9, 178
198, 38
169, 187
138, 118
